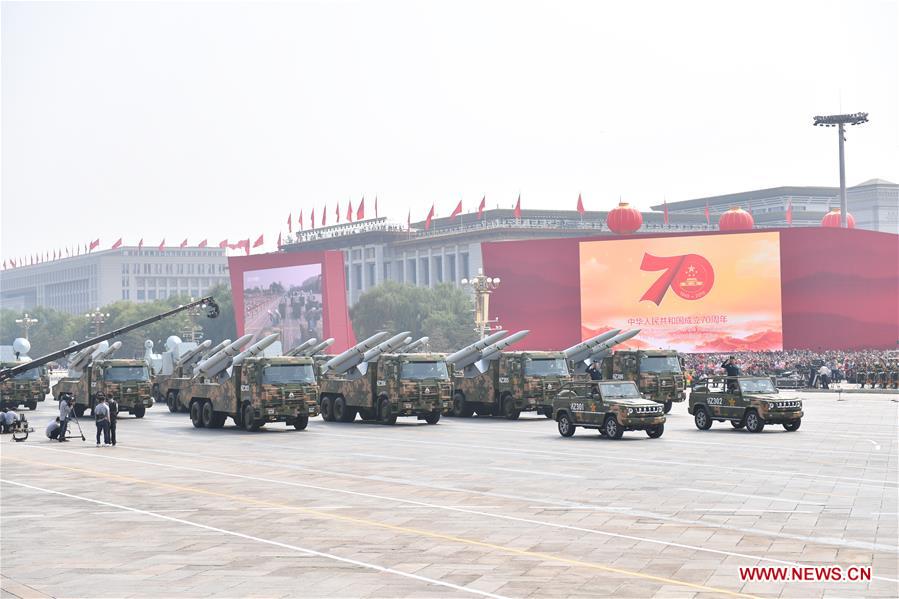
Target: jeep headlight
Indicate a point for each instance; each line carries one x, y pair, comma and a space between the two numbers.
771, 405
630, 410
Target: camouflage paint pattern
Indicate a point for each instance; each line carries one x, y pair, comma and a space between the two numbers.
723, 403
134, 396
585, 404
660, 387
21, 391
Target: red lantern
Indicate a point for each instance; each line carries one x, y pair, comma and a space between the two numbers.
624, 219
832, 219
735, 219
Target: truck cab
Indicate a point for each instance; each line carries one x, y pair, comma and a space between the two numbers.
658, 374
24, 389
128, 381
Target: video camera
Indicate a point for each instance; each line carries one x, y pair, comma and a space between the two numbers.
20, 429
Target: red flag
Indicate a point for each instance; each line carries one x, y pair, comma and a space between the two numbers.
203, 243
708, 217
481, 207
116, 245
259, 241
162, 245
518, 208
790, 213
325, 216
183, 244
666, 212
337, 212
580, 205
349, 211
140, 243
376, 206
312, 218
428, 219
300, 220
279, 240
223, 243
290, 223
95, 244
360, 211
457, 211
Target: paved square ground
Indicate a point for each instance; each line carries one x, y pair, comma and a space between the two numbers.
467, 507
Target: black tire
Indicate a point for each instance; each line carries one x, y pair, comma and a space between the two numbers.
301, 422
139, 411
218, 420
702, 419
566, 426
612, 428
248, 418
667, 406
196, 417
460, 407
509, 411
754, 422
548, 412
79, 410
343, 413
792, 426
327, 407
171, 401
738, 424
432, 418
207, 414
656, 431
387, 415
31, 405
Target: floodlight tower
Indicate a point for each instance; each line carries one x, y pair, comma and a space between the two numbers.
27, 322
840, 121
482, 286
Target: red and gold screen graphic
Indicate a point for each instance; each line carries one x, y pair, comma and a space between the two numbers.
705, 293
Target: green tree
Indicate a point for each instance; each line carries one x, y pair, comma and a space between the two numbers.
443, 313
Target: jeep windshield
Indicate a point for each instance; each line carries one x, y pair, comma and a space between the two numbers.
626, 390
419, 371
127, 373
285, 374
759, 385
659, 364
546, 367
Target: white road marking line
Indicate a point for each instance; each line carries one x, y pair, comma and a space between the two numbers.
25, 516
232, 533
537, 472
383, 457
748, 511
755, 531
765, 497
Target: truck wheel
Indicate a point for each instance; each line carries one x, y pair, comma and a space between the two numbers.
702, 419
792, 426
301, 422
207, 414
432, 418
667, 407
460, 407
612, 428
171, 401
249, 418
79, 411
754, 423
218, 420
139, 411
327, 409
656, 431
387, 415
196, 417
566, 427
341, 411
509, 410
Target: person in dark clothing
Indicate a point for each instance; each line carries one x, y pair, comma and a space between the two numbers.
113, 417
731, 368
594, 372
101, 415
66, 402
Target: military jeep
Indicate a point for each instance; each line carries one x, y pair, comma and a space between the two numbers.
745, 401
612, 407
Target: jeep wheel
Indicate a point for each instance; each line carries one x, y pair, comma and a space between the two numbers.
548, 412
432, 418
386, 415
754, 423
667, 406
249, 418
139, 411
702, 420
792, 426
612, 428
738, 424
301, 422
509, 411
566, 427
207, 414
460, 407
171, 401
31, 405
656, 431
340, 410
195, 416
327, 409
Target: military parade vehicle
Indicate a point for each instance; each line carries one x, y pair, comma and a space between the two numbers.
611, 407
377, 380
746, 401
27, 388
657, 373
94, 371
252, 389
175, 368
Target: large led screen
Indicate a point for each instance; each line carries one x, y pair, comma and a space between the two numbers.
284, 300
712, 293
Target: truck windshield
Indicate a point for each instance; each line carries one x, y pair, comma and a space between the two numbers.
759, 385
417, 371
619, 390
127, 373
546, 367
285, 374
659, 364
28, 375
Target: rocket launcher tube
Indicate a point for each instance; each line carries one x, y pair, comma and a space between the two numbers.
351, 357
584, 349
107, 353
82, 358
318, 348
194, 353
255, 349
398, 340
212, 351
410, 347
616, 340
220, 360
471, 353
301, 347
492, 352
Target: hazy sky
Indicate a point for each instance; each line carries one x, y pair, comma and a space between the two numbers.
217, 120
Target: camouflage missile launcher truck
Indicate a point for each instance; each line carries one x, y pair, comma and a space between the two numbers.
173, 370
253, 390
371, 381
657, 373
611, 407
24, 389
746, 401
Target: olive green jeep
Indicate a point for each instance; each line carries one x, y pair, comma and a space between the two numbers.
746, 401
612, 407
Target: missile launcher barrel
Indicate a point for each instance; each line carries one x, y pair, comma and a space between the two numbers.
301, 347
415, 345
353, 356
80, 360
616, 340
214, 350
470, 354
220, 360
582, 350
255, 349
193, 354
397, 341
492, 351
318, 348
106, 353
